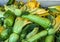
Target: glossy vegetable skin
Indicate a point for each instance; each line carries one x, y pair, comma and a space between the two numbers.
13, 37
19, 24
37, 36
49, 38
39, 20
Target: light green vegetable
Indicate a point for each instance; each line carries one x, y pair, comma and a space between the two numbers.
32, 33
13, 9
27, 29
19, 24
38, 36
13, 37
49, 38
39, 20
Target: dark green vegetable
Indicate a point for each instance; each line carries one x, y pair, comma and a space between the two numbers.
9, 13
19, 24
39, 20
10, 2
13, 37
1, 21
57, 37
26, 30
32, 33
9, 21
9, 18
38, 36
5, 34
49, 38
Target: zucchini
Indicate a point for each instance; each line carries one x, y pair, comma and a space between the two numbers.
39, 20
13, 37
26, 30
49, 38
19, 24
9, 18
9, 21
5, 34
32, 33
38, 36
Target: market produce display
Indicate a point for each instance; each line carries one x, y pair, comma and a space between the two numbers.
29, 22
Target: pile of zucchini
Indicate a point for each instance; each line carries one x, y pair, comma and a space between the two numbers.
21, 24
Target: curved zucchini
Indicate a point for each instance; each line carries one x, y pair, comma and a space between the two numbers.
32, 33
38, 36
26, 30
19, 24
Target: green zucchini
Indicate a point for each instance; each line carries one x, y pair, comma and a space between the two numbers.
39, 20
32, 33
13, 37
5, 34
9, 18
38, 36
9, 21
51, 31
49, 38
26, 30
19, 24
